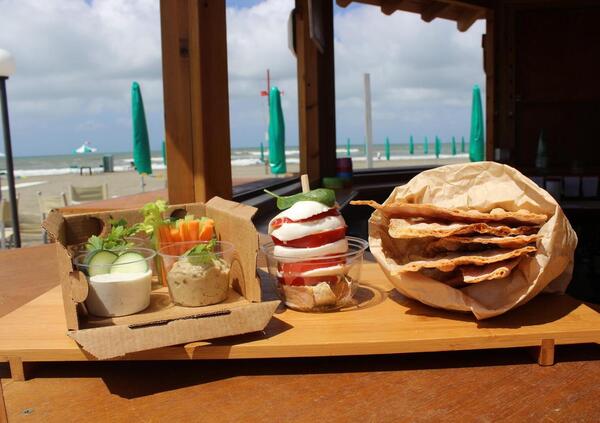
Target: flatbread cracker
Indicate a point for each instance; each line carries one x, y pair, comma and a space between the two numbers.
454, 243
449, 261
499, 270
413, 228
403, 210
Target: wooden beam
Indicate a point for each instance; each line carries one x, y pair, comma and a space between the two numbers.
343, 3
489, 66
209, 100
316, 91
176, 82
196, 99
390, 6
433, 9
468, 19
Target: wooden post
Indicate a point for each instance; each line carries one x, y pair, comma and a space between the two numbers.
194, 47
489, 53
316, 89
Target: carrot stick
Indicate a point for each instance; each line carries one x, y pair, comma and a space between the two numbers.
184, 231
207, 230
175, 235
163, 234
194, 229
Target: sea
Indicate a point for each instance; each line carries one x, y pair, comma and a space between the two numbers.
62, 164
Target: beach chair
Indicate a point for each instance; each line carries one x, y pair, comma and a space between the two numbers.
82, 194
5, 223
30, 227
48, 203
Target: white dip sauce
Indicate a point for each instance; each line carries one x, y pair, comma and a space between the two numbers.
118, 294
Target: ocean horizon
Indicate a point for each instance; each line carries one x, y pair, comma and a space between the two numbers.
61, 164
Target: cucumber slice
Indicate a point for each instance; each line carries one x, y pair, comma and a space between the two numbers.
130, 263
100, 262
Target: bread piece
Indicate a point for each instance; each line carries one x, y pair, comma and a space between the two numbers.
404, 210
419, 228
447, 262
455, 243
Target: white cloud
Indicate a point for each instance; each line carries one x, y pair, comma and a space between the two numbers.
76, 62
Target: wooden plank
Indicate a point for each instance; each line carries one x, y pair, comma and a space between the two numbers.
433, 10
316, 93
196, 99
176, 93
384, 323
209, 100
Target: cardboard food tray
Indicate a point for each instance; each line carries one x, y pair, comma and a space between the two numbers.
163, 323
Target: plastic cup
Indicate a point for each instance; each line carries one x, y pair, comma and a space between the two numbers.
118, 289
317, 284
195, 281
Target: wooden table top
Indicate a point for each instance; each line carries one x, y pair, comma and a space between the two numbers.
486, 385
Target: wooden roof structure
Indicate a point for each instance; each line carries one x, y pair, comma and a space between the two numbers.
464, 12
530, 87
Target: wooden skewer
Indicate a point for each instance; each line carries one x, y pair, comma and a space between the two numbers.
305, 183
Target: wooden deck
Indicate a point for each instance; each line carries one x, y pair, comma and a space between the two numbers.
487, 384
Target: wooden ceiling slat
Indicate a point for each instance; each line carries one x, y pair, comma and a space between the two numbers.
390, 6
463, 12
468, 19
433, 10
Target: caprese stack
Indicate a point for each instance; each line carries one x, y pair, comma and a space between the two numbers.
310, 241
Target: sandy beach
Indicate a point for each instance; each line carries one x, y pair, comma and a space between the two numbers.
127, 183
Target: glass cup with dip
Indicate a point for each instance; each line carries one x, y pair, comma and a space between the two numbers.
119, 282
197, 272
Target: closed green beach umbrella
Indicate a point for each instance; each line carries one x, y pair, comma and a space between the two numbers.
438, 147
276, 133
411, 146
454, 146
164, 152
348, 153
462, 144
387, 148
141, 142
476, 141
426, 146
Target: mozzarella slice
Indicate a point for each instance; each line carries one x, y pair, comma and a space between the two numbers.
337, 247
302, 210
291, 231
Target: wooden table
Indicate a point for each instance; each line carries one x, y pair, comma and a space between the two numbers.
486, 385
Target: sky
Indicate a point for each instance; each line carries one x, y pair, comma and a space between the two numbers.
76, 61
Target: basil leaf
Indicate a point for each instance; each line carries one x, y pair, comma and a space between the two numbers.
321, 195
202, 254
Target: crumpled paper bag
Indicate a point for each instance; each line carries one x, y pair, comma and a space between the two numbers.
482, 186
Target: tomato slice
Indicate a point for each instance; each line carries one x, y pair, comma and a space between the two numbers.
314, 240
291, 272
280, 221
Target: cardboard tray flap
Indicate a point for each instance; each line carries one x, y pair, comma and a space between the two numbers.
115, 341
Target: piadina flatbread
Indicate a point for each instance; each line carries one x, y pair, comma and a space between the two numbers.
404, 210
418, 228
447, 262
470, 243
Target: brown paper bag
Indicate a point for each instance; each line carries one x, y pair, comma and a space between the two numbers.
482, 186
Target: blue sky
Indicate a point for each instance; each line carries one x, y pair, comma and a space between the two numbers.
76, 61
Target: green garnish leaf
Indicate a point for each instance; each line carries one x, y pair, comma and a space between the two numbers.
115, 239
202, 254
153, 216
322, 195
